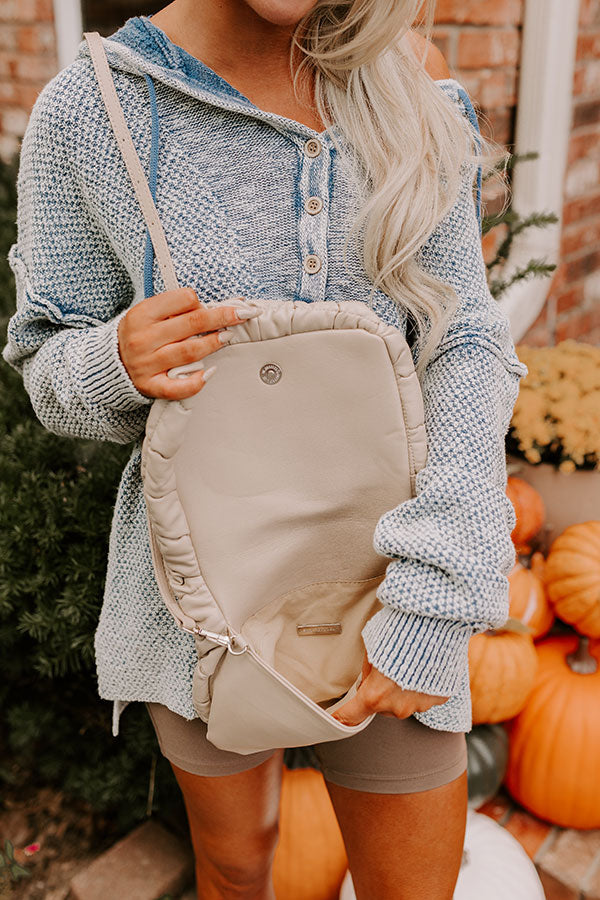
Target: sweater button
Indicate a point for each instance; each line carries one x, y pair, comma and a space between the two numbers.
312, 147
312, 263
313, 205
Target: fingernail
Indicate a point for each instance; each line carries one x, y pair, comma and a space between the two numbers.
225, 336
249, 313
208, 373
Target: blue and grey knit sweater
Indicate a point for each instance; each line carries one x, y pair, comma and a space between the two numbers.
232, 182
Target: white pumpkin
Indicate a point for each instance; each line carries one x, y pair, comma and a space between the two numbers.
494, 866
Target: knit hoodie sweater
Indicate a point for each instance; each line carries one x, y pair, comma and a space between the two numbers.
232, 183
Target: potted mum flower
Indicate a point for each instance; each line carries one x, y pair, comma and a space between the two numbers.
554, 438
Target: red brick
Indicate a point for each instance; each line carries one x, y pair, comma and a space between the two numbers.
147, 863
591, 883
565, 864
538, 337
580, 266
581, 208
588, 45
18, 11
584, 142
576, 237
576, 326
586, 112
44, 10
589, 12
499, 808
488, 48
529, 831
492, 88
39, 38
569, 299
480, 12
586, 81
28, 69
498, 125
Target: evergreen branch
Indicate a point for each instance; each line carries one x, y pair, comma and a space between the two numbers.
535, 267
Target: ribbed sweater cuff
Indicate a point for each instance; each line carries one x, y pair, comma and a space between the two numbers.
419, 653
106, 381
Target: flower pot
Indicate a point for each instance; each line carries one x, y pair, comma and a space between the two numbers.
569, 497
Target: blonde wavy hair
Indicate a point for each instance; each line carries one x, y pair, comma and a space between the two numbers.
408, 145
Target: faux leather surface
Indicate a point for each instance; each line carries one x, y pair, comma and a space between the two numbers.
263, 498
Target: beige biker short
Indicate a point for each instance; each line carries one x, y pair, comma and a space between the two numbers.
390, 756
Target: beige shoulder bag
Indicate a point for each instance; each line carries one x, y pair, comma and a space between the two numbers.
263, 492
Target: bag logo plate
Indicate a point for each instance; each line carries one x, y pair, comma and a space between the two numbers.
321, 628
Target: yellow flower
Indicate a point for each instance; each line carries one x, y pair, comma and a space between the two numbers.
558, 407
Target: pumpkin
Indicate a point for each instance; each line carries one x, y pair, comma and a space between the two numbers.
502, 665
527, 596
529, 509
310, 858
572, 576
554, 742
494, 866
487, 756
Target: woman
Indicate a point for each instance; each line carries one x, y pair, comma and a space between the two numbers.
251, 183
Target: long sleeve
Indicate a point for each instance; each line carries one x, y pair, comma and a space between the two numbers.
450, 546
72, 291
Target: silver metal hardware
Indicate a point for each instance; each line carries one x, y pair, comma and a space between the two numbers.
321, 628
270, 373
225, 640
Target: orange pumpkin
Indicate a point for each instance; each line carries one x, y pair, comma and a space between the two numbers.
529, 510
310, 859
527, 597
554, 742
502, 665
572, 576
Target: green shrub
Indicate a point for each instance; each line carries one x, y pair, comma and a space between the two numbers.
56, 500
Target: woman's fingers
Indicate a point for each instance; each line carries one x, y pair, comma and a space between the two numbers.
189, 351
170, 331
169, 303
194, 322
379, 694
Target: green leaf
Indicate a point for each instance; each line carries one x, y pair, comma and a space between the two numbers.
17, 872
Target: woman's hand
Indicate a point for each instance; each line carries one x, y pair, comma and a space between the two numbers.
165, 331
378, 693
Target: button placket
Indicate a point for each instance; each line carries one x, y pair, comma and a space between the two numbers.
313, 216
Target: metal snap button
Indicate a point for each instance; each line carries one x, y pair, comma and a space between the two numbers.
312, 147
312, 263
313, 205
270, 373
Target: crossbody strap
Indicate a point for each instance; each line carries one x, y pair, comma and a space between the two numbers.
131, 159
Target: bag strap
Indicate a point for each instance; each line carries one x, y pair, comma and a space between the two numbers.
131, 159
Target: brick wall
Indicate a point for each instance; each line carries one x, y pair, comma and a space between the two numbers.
573, 308
27, 63
481, 40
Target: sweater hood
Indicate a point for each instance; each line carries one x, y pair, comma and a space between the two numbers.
141, 48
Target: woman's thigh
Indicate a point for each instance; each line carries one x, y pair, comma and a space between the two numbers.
232, 800
399, 790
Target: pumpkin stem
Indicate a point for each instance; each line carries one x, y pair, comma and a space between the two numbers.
582, 661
